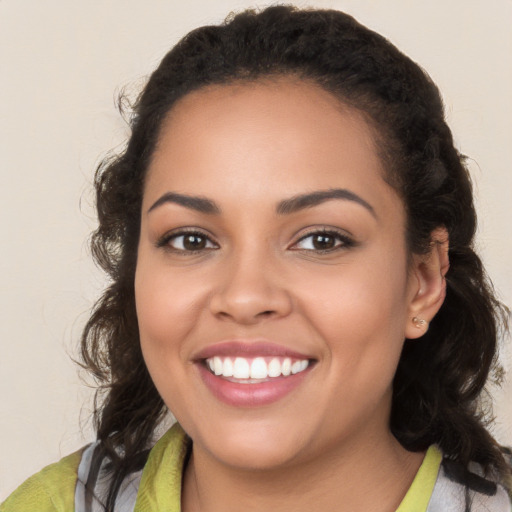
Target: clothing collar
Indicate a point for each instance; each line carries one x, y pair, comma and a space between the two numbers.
161, 482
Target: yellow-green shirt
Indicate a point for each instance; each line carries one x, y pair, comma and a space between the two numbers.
54, 489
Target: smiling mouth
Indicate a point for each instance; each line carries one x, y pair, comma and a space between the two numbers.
255, 370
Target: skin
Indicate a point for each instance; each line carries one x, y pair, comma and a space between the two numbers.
248, 147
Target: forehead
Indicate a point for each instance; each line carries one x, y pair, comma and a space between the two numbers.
279, 105
286, 131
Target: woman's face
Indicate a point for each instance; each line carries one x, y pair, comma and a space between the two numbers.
272, 287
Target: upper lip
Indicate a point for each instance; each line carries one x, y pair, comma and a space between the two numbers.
249, 349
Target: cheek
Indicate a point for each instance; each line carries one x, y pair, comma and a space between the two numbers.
160, 315
165, 300
161, 326
361, 311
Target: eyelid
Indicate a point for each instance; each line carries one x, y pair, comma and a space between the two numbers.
342, 236
163, 241
344, 240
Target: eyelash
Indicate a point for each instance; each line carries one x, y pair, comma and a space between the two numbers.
165, 241
342, 241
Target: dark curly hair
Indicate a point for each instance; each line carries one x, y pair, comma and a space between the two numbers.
440, 378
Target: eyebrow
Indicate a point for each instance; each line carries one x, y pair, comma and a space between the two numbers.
285, 207
303, 201
198, 203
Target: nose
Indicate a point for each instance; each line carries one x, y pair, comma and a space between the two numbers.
249, 291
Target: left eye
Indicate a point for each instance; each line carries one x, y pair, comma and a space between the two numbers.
322, 242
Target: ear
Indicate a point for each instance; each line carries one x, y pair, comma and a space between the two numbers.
428, 284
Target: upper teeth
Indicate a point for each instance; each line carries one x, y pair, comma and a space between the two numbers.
257, 368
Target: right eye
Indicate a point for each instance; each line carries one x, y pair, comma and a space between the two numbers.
187, 241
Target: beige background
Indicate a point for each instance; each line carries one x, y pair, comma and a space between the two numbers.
61, 63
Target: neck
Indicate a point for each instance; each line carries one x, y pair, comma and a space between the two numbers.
357, 476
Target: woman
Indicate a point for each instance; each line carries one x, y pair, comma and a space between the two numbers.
289, 236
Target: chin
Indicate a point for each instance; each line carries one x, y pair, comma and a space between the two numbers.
256, 458
251, 447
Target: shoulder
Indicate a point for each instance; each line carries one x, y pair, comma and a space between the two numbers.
52, 489
155, 486
452, 491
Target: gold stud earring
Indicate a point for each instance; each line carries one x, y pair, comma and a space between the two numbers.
419, 323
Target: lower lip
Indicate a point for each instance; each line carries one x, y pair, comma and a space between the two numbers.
250, 395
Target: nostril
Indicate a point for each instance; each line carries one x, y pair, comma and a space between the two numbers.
249, 303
